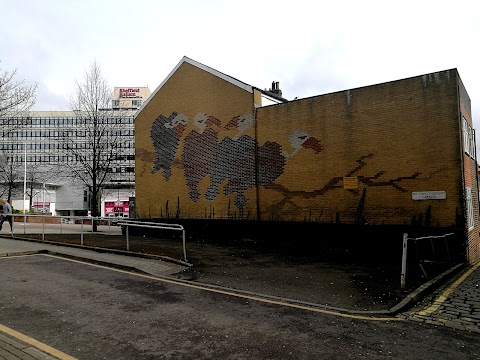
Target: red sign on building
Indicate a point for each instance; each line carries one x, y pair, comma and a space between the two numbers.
115, 207
130, 93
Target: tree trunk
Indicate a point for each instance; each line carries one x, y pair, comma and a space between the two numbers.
94, 206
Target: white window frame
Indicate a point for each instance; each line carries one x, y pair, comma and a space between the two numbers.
470, 218
465, 134
472, 143
468, 139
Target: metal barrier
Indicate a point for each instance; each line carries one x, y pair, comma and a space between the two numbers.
69, 221
422, 260
153, 225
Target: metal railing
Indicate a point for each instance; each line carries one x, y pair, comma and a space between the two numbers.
66, 222
422, 259
153, 225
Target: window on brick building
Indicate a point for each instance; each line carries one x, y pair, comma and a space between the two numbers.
469, 208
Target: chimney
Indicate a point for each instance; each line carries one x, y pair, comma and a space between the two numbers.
276, 89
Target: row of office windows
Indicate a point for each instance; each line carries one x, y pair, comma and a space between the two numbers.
125, 157
25, 134
135, 103
55, 121
127, 169
45, 159
53, 159
56, 146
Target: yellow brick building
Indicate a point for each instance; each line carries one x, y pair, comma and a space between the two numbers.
211, 147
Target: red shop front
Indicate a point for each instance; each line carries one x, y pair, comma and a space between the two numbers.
116, 208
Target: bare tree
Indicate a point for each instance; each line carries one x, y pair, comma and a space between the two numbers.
11, 175
16, 97
100, 129
36, 177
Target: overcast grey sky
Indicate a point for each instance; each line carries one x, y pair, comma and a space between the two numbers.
309, 47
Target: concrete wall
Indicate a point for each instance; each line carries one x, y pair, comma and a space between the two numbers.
70, 198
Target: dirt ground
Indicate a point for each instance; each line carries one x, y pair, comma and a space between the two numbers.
342, 282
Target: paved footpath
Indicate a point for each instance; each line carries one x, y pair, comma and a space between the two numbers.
13, 348
153, 266
455, 304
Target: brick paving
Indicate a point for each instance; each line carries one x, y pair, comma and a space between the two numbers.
11, 349
455, 304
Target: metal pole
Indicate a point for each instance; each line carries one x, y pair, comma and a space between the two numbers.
81, 232
24, 184
43, 231
126, 233
404, 261
184, 248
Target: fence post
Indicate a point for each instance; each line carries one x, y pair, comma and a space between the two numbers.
184, 248
126, 233
404, 261
81, 232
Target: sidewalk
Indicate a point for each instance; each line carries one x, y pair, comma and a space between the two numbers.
151, 265
12, 348
455, 303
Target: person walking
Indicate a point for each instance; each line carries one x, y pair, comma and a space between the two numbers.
6, 215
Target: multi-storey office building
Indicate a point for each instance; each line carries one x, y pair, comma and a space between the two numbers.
36, 158
33, 158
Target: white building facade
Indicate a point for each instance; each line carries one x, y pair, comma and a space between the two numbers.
34, 164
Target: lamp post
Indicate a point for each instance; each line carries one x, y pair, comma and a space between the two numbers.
43, 199
118, 200
24, 178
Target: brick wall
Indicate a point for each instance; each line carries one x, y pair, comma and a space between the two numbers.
379, 144
37, 219
471, 180
354, 156
190, 91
